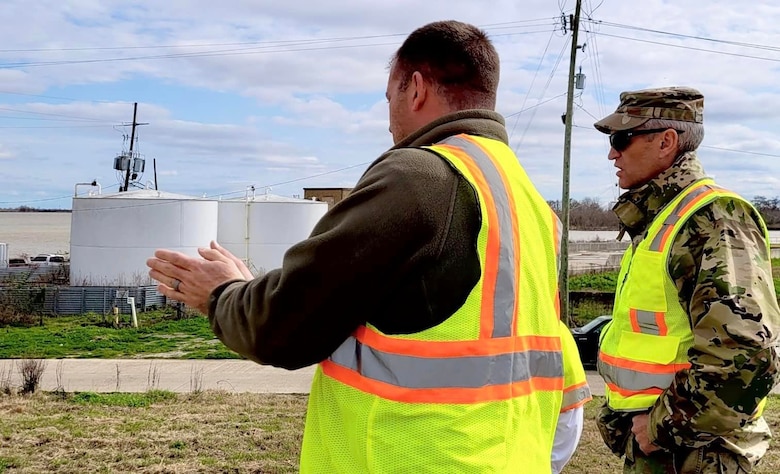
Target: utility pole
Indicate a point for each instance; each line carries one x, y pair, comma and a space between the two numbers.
132, 141
565, 200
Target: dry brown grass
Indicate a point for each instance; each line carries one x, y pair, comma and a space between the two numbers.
207, 432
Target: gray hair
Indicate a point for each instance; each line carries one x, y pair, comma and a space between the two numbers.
689, 140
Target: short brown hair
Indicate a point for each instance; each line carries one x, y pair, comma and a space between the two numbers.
457, 58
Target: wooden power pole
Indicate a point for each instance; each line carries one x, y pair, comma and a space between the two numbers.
565, 200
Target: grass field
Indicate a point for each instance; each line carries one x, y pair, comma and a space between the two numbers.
208, 432
91, 336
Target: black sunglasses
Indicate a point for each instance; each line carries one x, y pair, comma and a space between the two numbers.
621, 140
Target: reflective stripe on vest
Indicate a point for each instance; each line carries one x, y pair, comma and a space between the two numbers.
576, 396
699, 191
648, 322
576, 391
498, 366
505, 295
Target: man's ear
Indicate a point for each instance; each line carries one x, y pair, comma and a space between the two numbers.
420, 89
669, 144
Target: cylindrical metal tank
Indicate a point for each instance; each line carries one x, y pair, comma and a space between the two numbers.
112, 235
3, 255
259, 229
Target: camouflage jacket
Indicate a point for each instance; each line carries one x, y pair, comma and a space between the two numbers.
722, 271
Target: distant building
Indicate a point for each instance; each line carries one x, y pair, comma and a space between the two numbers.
329, 195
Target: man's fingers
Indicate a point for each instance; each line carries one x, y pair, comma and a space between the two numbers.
176, 258
222, 250
163, 278
213, 255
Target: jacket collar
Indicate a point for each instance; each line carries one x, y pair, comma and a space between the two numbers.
486, 123
636, 208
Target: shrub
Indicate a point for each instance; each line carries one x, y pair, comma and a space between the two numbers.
31, 371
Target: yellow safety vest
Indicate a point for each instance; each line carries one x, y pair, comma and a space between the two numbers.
650, 334
481, 391
576, 391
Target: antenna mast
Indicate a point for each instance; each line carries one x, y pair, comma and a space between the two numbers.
132, 141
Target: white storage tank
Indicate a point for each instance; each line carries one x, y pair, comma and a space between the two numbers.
3, 255
259, 229
112, 235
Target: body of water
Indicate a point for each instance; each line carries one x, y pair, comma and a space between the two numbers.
31, 233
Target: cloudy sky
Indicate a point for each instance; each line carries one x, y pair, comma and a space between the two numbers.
287, 95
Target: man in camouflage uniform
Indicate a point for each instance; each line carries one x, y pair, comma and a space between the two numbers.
707, 420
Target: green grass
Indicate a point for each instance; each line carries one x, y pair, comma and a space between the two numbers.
90, 336
587, 310
603, 281
121, 399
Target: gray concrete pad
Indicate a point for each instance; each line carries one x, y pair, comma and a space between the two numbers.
181, 376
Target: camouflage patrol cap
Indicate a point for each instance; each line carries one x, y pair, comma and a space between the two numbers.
637, 107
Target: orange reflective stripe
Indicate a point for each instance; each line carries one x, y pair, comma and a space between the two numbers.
444, 394
660, 321
646, 367
437, 349
634, 320
629, 393
493, 241
515, 226
666, 235
659, 237
693, 202
557, 236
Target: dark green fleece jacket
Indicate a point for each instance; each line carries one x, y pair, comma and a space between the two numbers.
400, 252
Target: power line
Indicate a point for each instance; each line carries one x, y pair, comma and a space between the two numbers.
288, 48
534, 106
501, 25
54, 126
546, 86
681, 35
533, 81
59, 98
689, 47
741, 151
50, 114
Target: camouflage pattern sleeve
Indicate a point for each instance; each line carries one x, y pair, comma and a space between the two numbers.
723, 273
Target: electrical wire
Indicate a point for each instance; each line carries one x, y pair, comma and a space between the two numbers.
726, 53
681, 35
533, 81
287, 48
49, 114
544, 90
534, 106
505, 24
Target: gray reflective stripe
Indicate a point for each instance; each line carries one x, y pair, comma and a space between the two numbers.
451, 372
674, 217
506, 280
633, 380
647, 322
575, 396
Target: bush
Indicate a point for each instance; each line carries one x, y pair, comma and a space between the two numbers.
31, 371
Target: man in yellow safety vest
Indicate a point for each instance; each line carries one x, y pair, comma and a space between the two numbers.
689, 357
428, 297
